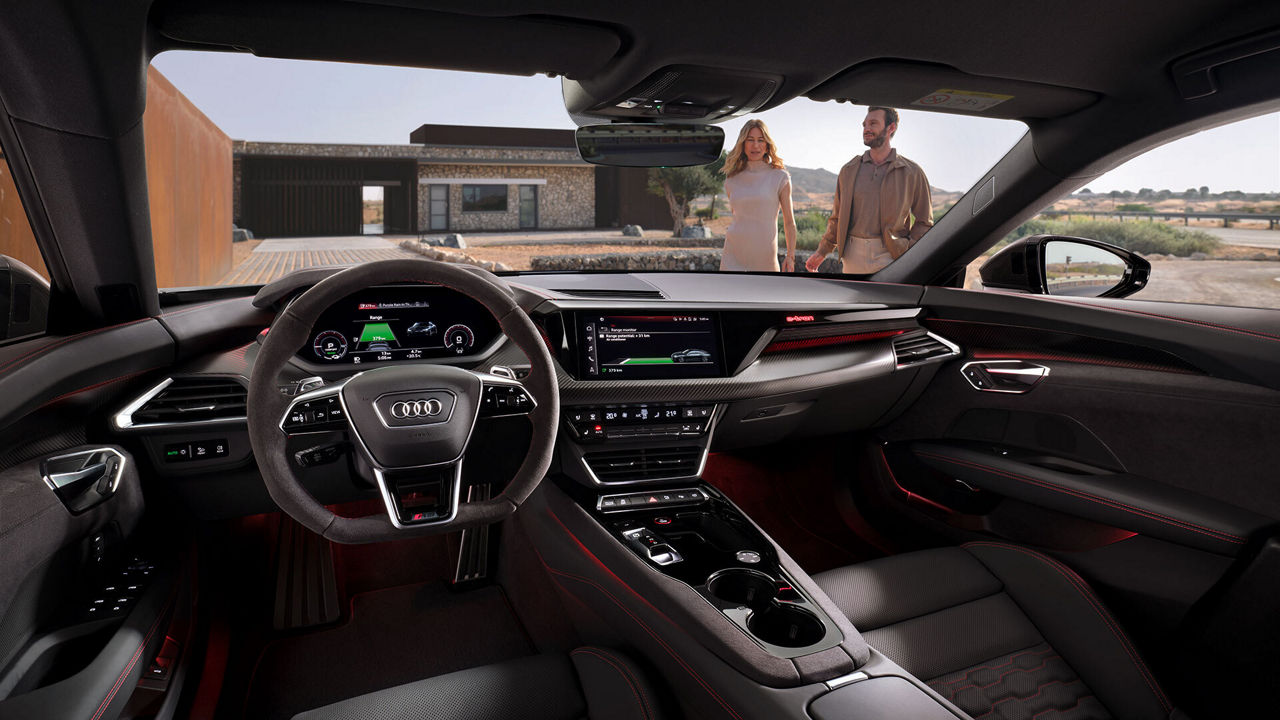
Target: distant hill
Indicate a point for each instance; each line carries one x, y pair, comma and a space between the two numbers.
812, 181
821, 181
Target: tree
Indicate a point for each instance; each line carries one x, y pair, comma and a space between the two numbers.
716, 171
680, 186
1204, 191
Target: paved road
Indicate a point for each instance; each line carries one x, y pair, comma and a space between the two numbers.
273, 259
1245, 236
565, 237
1242, 283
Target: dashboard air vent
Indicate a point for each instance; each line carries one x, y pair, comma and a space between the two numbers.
922, 348
187, 400
644, 463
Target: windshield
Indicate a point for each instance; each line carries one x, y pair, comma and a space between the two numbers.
259, 167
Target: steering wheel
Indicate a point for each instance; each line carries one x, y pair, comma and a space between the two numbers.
410, 424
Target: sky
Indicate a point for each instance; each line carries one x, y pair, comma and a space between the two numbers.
264, 99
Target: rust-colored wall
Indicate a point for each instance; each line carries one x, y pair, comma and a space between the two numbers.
16, 239
189, 179
189, 186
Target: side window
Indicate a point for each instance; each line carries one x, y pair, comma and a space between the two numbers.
1203, 210
24, 280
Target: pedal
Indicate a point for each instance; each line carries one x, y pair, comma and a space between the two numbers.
473, 548
306, 583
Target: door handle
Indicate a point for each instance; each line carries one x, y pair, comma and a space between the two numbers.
84, 479
1003, 376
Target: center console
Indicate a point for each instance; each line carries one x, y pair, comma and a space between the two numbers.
696, 536
653, 558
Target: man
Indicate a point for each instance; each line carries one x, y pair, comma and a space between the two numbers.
882, 203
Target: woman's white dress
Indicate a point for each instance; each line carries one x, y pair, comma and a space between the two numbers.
755, 197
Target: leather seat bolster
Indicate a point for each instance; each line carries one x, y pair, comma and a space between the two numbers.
614, 686
877, 593
1074, 621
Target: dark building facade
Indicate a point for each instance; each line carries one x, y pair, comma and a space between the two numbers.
451, 179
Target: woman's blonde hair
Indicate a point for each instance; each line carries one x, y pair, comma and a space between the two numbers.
736, 161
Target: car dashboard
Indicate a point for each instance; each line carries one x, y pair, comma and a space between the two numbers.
655, 371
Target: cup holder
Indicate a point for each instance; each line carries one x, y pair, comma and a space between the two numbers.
786, 626
751, 588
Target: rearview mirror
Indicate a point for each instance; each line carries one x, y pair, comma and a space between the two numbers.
1071, 266
650, 144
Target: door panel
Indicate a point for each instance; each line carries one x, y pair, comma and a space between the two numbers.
1149, 507
1145, 458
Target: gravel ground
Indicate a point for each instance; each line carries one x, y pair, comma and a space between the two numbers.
1241, 283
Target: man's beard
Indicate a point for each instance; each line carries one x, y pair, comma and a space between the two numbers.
876, 141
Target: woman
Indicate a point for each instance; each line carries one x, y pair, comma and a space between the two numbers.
757, 186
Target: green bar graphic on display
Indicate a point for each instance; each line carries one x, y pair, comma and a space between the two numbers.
377, 332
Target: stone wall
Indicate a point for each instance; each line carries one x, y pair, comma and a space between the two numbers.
687, 260
567, 200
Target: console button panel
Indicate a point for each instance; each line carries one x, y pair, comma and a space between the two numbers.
656, 499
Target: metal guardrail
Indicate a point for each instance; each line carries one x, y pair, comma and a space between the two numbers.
1225, 217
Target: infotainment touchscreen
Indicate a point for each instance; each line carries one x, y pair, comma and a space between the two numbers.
624, 347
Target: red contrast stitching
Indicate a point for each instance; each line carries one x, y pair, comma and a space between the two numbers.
1085, 591
70, 338
1118, 505
124, 674
980, 668
66, 395
1036, 694
656, 637
623, 671
956, 691
1201, 323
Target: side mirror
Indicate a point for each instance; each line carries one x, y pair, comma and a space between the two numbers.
24, 300
1061, 265
650, 144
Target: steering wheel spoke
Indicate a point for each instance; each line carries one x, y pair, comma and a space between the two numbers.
503, 397
318, 410
422, 495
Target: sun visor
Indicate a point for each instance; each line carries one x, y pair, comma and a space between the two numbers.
388, 35
923, 86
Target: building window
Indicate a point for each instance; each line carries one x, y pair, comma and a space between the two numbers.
484, 198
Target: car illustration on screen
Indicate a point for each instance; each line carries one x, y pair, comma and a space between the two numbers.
692, 355
423, 328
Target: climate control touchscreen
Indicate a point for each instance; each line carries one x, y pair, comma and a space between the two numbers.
625, 347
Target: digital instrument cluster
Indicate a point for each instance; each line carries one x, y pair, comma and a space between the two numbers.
385, 324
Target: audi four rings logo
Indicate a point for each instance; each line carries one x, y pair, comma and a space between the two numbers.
406, 409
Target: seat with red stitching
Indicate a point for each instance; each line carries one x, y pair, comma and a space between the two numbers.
1000, 630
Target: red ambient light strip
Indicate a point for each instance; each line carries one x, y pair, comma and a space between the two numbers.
787, 345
